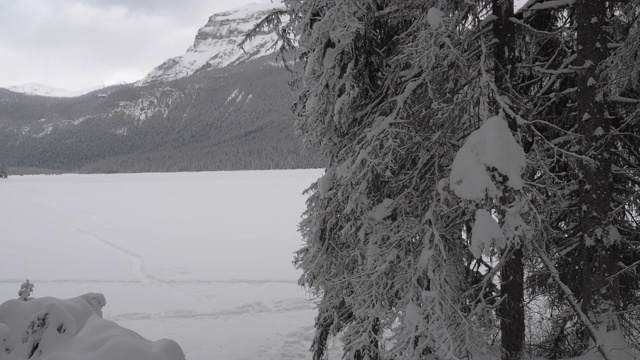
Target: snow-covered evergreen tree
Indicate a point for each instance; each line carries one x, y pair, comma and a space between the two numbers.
586, 168
473, 151
25, 290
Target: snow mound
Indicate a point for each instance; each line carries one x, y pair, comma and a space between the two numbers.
73, 329
491, 147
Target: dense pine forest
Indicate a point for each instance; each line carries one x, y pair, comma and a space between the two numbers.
482, 189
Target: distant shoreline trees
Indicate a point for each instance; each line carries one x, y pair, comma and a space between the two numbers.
484, 175
3, 170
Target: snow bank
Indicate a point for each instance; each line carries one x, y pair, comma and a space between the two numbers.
73, 329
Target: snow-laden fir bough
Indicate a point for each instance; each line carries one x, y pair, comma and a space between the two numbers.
481, 197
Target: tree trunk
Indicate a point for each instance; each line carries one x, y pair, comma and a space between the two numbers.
512, 325
599, 243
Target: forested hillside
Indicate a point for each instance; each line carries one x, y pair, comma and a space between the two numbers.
238, 117
481, 199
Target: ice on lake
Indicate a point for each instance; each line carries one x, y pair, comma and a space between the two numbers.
201, 258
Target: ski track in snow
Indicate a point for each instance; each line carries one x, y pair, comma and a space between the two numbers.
296, 344
70, 281
137, 265
249, 309
137, 261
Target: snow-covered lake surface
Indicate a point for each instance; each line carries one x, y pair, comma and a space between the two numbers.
200, 258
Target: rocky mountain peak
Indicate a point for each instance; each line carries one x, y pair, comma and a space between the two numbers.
216, 44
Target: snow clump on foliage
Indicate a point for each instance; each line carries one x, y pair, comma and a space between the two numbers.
490, 147
485, 232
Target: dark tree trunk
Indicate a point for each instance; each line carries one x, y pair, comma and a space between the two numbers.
512, 325
599, 247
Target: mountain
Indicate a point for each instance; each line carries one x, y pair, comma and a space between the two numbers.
46, 90
216, 45
234, 118
233, 114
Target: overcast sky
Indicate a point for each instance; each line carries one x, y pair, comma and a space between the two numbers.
75, 44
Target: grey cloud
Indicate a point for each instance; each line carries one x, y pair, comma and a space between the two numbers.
80, 43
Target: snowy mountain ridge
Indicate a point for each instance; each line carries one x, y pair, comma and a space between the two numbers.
51, 91
216, 44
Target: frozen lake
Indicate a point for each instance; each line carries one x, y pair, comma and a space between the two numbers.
201, 258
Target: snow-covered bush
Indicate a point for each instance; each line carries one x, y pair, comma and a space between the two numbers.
53, 329
25, 290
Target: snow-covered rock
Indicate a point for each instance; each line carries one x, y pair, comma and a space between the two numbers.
150, 103
54, 329
216, 44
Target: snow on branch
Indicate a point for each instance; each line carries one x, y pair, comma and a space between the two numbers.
485, 233
491, 147
597, 336
553, 4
